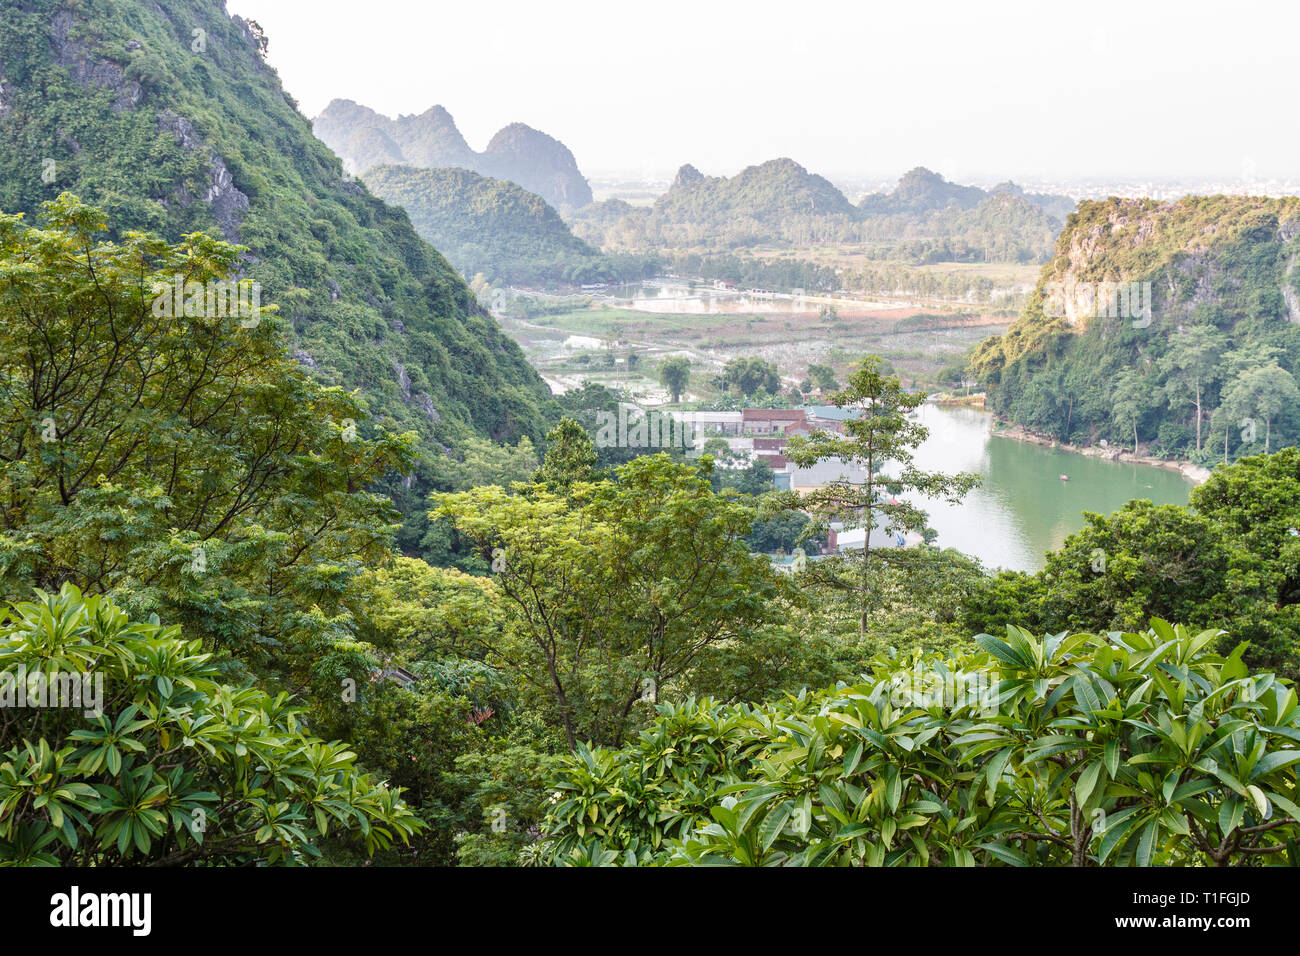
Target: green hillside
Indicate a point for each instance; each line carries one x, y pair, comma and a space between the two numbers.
922, 190
1220, 346
925, 219
489, 226
166, 116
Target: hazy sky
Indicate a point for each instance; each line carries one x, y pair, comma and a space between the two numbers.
1033, 90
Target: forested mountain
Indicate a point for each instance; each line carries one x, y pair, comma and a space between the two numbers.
925, 219
1191, 349
921, 190
932, 220
167, 117
489, 226
519, 153
777, 201
769, 199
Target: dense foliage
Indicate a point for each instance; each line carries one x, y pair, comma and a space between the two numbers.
1135, 748
490, 226
171, 765
184, 464
1208, 375
173, 139
604, 608
342, 517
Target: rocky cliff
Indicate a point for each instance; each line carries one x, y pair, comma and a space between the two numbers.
1177, 320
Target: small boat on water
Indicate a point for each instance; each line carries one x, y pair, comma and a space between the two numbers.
1065, 477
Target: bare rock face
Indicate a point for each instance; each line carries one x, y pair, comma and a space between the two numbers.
1193, 276
425, 401
5, 95
403, 379
229, 204
91, 71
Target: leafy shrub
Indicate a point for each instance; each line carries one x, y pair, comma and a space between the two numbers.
1133, 748
178, 767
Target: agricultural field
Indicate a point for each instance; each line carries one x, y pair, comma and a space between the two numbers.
592, 341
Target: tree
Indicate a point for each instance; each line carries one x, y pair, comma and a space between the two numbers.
756, 479
717, 447
1249, 355
175, 766
674, 373
781, 532
1245, 391
1191, 364
605, 605
259, 37
880, 435
1261, 392
570, 457
751, 375
1118, 572
1130, 396
1253, 501
478, 461
823, 376
182, 464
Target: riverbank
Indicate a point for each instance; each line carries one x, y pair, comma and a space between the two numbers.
1197, 474
953, 400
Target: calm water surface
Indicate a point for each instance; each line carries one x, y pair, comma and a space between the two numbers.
1023, 509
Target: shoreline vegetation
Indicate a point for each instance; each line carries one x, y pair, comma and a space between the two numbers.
1197, 474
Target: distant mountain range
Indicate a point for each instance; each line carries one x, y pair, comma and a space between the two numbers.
780, 202
517, 153
922, 190
925, 218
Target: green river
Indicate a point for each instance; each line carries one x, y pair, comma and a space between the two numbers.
1023, 508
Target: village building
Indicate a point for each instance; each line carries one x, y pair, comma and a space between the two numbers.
767, 421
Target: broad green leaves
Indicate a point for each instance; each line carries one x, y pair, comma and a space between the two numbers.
1119, 749
178, 768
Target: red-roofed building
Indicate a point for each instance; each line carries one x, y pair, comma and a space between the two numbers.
768, 421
